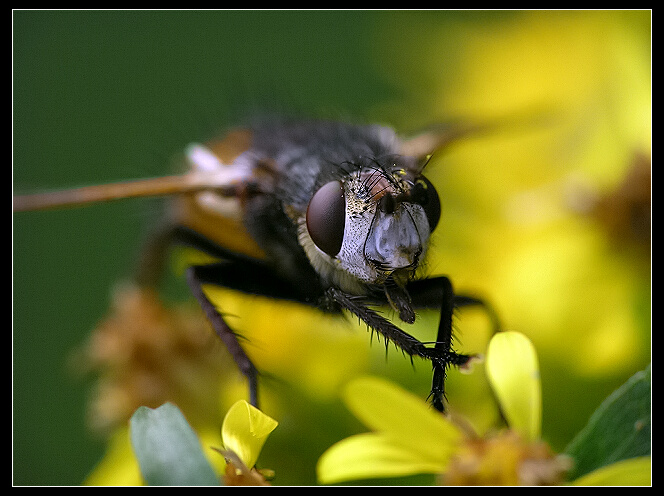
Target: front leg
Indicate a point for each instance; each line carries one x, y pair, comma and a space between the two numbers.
437, 292
442, 287
441, 354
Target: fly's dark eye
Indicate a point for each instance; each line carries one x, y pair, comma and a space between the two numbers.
423, 193
326, 217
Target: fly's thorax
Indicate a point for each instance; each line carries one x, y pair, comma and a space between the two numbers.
368, 226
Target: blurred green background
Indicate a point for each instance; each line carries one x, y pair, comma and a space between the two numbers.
103, 96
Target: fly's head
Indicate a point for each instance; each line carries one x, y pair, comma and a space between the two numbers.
371, 227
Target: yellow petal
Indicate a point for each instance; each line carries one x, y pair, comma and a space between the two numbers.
370, 455
513, 371
245, 430
407, 419
632, 472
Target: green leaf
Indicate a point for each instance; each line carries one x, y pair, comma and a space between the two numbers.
168, 451
619, 429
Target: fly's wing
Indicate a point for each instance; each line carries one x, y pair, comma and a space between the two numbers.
435, 138
440, 136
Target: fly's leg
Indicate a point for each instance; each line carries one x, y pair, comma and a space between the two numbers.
410, 345
444, 356
437, 292
444, 346
441, 355
249, 277
195, 278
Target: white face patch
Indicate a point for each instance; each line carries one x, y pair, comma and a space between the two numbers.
397, 239
378, 242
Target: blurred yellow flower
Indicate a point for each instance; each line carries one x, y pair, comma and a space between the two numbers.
516, 383
548, 214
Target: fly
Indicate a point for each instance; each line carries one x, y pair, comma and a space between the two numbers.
327, 214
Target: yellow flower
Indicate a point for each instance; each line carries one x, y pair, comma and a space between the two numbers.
410, 438
401, 442
245, 430
243, 433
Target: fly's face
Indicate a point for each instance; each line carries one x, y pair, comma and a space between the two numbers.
370, 226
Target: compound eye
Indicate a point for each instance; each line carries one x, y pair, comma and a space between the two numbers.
326, 217
423, 193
